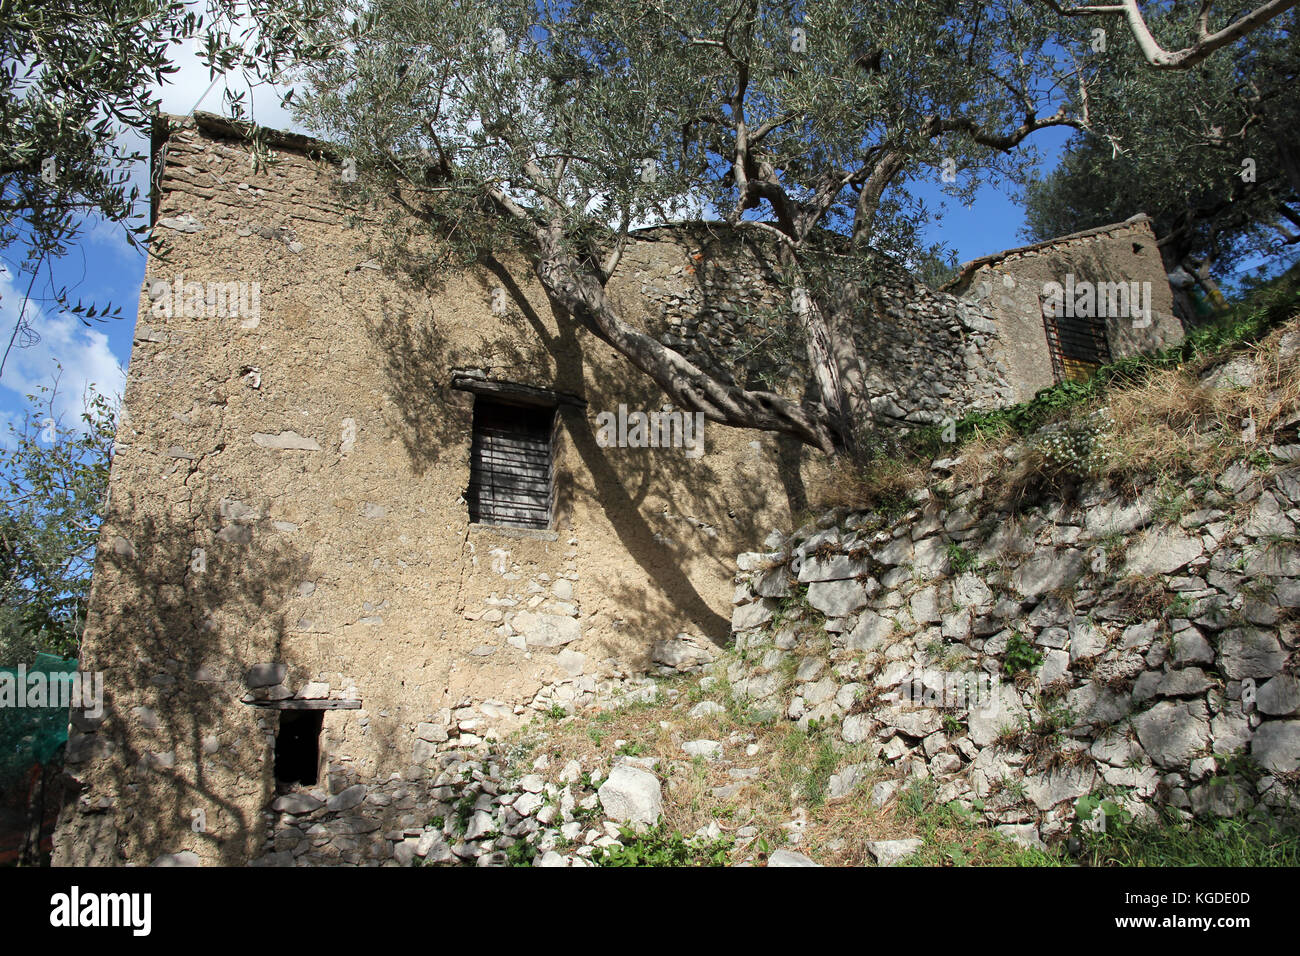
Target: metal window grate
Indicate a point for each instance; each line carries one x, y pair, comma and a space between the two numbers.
1077, 345
512, 464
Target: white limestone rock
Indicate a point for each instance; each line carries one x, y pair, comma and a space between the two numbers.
631, 795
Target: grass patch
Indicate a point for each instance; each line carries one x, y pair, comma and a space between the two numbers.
953, 837
961, 559
1224, 842
807, 762
659, 846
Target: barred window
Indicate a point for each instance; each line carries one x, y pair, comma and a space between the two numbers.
512, 464
1077, 344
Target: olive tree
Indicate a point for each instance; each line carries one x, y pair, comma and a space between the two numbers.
1215, 162
1209, 30
78, 88
558, 127
53, 488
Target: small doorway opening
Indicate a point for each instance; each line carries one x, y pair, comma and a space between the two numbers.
297, 747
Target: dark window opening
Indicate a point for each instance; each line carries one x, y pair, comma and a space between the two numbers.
1077, 344
297, 746
511, 464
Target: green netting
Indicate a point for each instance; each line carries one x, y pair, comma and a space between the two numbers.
31, 735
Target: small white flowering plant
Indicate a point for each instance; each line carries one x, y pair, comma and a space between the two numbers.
1078, 447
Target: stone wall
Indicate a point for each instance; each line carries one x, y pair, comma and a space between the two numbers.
1022, 660
926, 355
467, 804
930, 356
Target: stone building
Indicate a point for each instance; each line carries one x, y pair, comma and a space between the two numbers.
354, 522
1113, 301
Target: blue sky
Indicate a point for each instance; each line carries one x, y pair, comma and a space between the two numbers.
102, 268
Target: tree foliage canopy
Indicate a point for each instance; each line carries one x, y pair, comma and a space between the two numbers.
77, 85
560, 125
53, 485
563, 125
1213, 156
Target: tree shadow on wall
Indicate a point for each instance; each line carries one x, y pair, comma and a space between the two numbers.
419, 354
177, 636
419, 358
760, 356
641, 473
759, 370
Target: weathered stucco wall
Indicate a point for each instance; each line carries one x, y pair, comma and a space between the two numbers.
288, 490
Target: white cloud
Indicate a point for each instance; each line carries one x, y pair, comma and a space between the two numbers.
78, 357
189, 86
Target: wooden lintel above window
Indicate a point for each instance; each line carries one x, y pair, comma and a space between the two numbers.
294, 704
479, 384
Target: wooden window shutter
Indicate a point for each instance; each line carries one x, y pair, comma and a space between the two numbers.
512, 464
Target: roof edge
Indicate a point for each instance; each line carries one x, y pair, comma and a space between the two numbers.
967, 268
224, 127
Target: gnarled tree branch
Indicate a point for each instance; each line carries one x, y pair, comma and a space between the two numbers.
1206, 43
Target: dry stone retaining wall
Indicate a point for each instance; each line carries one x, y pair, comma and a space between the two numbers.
1163, 655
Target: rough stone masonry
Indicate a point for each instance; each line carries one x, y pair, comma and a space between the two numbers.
288, 556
